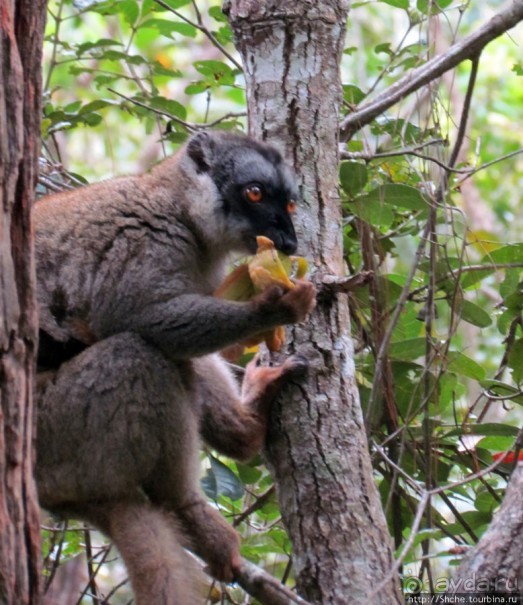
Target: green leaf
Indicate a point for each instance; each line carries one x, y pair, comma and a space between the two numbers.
475, 315
248, 474
372, 212
408, 350
497, 443
99, 44
92, 119
510, 283
397, 3
353, 177
383, 48
167, 28
491, 429
464, 366
217, 14
221, 481
403, 196
352, 94
435, 6
196, 88
217, 72
485, 501
511, 253
471, 278
515, 360
175, 3
407, 131
502, 389
96, 105
474, 519
130, 11
169, 106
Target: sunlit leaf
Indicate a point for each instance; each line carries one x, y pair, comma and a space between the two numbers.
353, 177
474, 314
465, 366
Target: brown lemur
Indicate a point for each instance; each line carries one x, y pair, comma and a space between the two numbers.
129, 378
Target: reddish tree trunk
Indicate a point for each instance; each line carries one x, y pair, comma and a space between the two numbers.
22, 27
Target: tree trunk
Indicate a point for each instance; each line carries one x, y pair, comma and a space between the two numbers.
317, 446
22, 26
495, 564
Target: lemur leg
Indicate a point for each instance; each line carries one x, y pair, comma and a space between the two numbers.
177, 490
103, 419
160, 570
234, 422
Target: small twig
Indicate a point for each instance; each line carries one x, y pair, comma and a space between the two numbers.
106, 550
56, 560
472, 172
264, 587
368, 157
90, 569
191, 126
256, 505
408, 544
239, 114
48, 182
466, 269
412, 482
159, 112
421, 156
115, 589
349, 283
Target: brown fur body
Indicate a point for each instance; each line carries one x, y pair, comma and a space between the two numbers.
126, 271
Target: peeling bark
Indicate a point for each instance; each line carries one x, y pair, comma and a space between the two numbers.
22, 26
317, 446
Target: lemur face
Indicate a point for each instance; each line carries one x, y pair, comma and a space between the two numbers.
257, 189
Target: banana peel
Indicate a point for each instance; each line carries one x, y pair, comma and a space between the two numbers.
268, 267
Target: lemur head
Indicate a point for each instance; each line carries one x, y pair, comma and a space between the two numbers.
257, 190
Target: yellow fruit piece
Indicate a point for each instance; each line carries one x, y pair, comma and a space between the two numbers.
266, 268
237, 285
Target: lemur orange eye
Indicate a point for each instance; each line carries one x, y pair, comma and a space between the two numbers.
291, 207
253, 193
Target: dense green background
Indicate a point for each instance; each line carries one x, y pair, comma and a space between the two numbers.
127, 81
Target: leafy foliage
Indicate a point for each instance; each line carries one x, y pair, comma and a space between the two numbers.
438, 329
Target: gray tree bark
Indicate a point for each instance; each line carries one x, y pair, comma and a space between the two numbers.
495, 564
22, 27
317, 446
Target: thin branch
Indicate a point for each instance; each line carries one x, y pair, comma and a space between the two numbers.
264, 587
466, 269
424, 501
256, 505
159, 112
369, 157
468, 48
48, 183
191, 126
472, 172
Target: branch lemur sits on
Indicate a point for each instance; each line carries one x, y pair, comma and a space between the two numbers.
129, 379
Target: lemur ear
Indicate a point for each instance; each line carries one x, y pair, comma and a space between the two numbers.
201, 149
